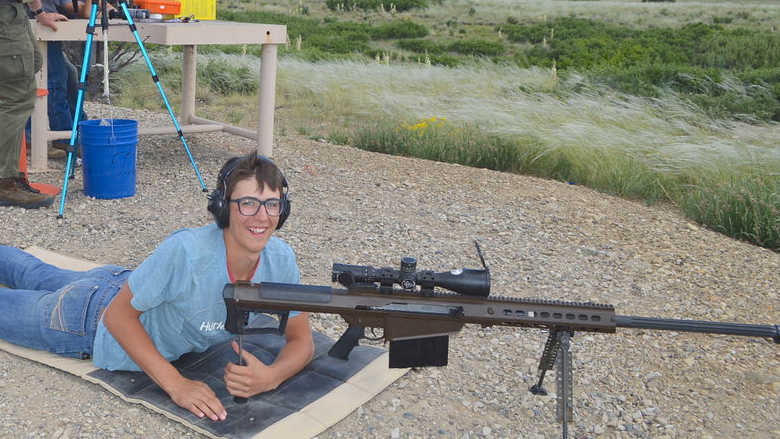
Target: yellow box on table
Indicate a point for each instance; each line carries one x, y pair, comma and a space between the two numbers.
200, 9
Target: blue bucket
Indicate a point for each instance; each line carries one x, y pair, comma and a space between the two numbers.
109, 156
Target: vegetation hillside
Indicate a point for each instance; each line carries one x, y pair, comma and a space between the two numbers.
674, 102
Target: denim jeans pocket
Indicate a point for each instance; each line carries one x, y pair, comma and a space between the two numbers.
70, 312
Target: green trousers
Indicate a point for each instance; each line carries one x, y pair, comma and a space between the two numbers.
19, 60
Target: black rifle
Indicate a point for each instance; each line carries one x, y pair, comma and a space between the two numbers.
416, 320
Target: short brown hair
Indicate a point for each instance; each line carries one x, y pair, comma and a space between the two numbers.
265, 172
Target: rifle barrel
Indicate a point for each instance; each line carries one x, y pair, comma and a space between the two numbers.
747, 330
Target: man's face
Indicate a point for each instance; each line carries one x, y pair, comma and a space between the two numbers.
251, 232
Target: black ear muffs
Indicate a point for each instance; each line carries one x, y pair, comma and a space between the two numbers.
218, 203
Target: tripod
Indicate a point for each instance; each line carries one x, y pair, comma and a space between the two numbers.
72, 147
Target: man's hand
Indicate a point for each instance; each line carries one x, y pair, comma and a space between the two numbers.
256, 377
122, 321
249, 380
198, 398
50, 18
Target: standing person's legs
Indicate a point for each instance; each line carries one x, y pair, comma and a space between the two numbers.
17, 84
60, 115
73, 87
19, 60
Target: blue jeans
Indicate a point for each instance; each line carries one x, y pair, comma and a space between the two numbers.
60, 114
48, 308
58, 106
73, 90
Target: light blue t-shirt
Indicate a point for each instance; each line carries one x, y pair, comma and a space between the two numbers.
178, 289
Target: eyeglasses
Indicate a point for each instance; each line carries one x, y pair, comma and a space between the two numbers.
249, 206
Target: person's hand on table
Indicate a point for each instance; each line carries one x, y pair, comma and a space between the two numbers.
49, 19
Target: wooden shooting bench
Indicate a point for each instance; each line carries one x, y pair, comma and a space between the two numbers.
190, 35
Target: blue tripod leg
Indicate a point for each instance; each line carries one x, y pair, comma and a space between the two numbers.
72, 148
131, 23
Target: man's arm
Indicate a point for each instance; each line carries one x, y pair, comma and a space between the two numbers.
122, 320
85, 8
46, 18
83, 12
256, 377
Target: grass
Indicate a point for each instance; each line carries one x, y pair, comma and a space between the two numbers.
445, 14
683, 139
742, 205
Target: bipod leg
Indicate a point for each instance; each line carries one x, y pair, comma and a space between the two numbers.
558, 343
72, 148
131, 23
547, 361
563, 379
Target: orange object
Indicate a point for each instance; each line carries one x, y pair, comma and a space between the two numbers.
43, 92
43, 187
166, 7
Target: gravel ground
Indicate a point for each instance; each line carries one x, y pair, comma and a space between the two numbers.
541, 239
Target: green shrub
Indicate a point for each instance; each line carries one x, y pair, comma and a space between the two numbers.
296, 25
345, 42
421, 46
314, 54
745, 207
477, 47
563, 29
739, 50
406, 5
371, 5
582, 44
327, 39
691, 60
445, 60
340, 27
755, 102
399, 29
769, 78
225, 79
722, 20
438, 53
432, 139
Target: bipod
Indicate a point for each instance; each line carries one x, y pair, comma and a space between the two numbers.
72, 148
557, 354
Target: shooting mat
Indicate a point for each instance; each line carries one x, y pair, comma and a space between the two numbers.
322, 394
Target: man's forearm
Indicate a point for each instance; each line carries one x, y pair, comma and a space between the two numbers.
136, 342
296, 353
293, 357
122, 322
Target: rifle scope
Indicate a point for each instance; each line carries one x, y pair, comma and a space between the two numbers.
464, 281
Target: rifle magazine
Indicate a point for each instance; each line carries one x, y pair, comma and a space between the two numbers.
419, 352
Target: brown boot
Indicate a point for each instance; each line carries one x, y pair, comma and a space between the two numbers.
16, 191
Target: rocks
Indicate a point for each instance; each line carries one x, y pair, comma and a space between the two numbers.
540, 238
